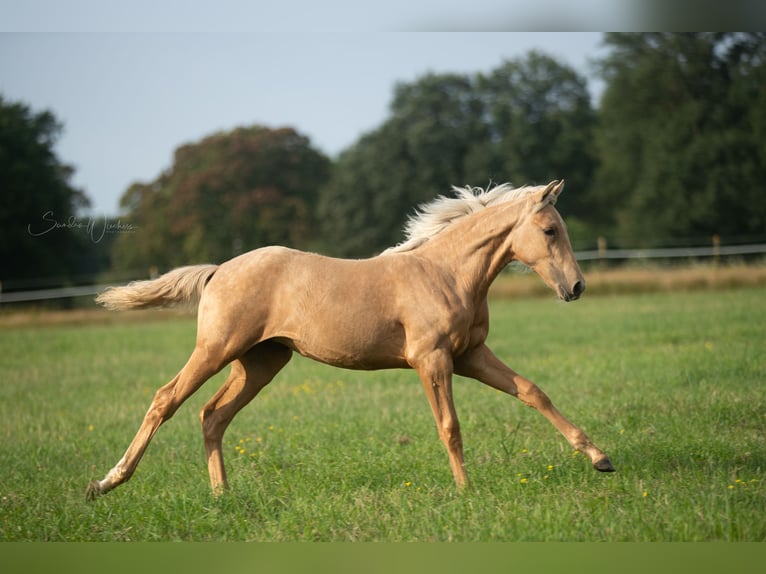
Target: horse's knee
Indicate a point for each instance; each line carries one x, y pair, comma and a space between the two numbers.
449, 432
534, 397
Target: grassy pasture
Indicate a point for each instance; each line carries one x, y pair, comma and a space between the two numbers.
671, 385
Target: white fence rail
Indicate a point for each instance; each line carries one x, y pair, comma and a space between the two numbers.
600, 254
671, 252
45, 294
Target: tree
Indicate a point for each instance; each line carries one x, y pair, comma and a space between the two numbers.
422, 149
441, 121
228, 193
359, 207
40, 235
527, 122
542, 125
681, 135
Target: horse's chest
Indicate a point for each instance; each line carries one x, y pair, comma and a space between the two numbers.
451, 328
469, 330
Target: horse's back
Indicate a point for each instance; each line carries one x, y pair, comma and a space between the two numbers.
338, 311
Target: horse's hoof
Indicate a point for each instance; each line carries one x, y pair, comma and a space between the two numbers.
93, 491
604, 465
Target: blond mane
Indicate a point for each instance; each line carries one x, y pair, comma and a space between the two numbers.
432, 218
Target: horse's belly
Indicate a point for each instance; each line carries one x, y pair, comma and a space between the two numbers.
349, 352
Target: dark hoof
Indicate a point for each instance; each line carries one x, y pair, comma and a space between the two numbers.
93, 491
603, 465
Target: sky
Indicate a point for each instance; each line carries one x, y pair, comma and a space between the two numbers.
128, 100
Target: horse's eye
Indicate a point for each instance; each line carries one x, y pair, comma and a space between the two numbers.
550, 231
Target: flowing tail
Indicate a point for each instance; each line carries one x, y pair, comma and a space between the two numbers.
182, 286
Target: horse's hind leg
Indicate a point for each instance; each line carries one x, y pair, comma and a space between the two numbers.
202, 365
249, 374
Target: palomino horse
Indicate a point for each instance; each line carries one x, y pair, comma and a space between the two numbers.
420, 305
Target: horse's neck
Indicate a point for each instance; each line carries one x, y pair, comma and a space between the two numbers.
476, 248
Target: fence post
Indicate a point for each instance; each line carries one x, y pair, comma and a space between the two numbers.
601, 246
716, 250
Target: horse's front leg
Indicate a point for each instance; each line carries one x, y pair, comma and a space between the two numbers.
435, 371
481, 364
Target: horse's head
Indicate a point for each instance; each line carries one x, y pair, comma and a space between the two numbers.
540, 240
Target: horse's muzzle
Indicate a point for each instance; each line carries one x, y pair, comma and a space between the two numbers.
577, 289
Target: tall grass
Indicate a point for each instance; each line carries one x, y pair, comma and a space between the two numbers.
670, 385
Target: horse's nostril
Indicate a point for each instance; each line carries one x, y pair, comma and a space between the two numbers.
578, 288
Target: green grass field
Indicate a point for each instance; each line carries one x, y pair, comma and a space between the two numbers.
670, 385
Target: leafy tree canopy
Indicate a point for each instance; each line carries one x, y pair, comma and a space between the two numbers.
226, 194
682, 135
529, 121
39, 204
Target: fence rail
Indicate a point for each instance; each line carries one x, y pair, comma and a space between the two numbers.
671, 252
45, 294
599, 254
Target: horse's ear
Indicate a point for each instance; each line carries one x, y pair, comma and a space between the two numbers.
552, 191
550, 194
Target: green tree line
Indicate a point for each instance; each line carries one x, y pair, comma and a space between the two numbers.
675, 149
39, 205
